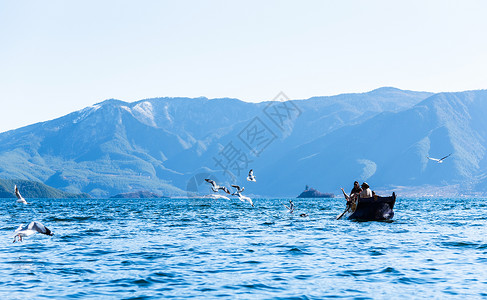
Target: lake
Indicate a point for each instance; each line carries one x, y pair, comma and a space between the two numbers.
203, 248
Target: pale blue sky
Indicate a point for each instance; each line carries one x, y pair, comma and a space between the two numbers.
60, 56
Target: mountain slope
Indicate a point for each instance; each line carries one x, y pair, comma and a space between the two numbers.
33, 189
158, 144
391, 149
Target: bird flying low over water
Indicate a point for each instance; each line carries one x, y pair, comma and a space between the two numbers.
20, 199
438, 160
30, 229
239, 190
215, 188
290, 207
245, 198
240, 196
251, 176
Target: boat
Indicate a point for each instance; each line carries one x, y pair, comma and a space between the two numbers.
375, 208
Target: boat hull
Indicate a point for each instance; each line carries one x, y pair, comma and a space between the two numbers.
374, 209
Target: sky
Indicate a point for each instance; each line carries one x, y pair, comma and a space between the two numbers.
57, 57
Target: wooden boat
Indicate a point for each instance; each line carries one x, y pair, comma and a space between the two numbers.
373, 209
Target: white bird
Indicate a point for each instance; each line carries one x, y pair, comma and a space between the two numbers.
291, 206
438, 160
251, 176
240, 196
30, 229
239, 190
20, 199
245, 198
215, 188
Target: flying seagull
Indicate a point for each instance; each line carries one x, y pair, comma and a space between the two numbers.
239, 190
240, 196
251, 176
438, 160
215, 188
20, 199
30, 229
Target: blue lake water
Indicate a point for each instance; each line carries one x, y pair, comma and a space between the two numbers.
187, 248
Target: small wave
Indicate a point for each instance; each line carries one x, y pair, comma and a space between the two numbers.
141, 282
70, 219
75, 271
412, 280
252, 262
203, 205
130, 282
482, 246
259, 286
168, 278
390, 270
22, 261
277, 278
99, 252
295, 250
375, 253
206, 289
357, 273
164, 274
460, 244
146, 255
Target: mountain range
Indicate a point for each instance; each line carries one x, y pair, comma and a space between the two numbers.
33, 189
169, 145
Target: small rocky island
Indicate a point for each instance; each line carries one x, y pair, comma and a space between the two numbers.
312, 193
138, 195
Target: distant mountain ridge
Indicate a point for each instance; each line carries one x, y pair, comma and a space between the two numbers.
33, 189
391, 148
382, 136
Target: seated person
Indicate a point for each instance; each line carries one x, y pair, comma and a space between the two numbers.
355, 191
366, 192
356, 188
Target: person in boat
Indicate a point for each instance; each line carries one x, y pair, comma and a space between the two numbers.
355, 191
356, 188
366, 192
